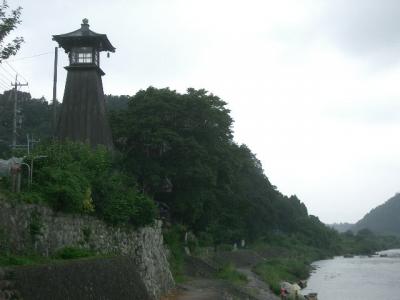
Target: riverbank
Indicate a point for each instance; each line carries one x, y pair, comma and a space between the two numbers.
280, 258
222, 275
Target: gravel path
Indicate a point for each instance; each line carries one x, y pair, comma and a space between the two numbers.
213, 289
256, 287
199, 289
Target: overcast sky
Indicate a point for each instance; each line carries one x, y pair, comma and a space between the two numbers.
313, 86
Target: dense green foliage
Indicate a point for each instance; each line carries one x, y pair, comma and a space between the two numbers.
366, 242
289, 258
174, 240
274, 271
383, 219
116, 103
181, 149
72, 177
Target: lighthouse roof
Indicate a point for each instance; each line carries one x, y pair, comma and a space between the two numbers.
84, 37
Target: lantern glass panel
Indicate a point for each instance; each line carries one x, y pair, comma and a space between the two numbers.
82, 55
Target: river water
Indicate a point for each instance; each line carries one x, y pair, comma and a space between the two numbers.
357, 278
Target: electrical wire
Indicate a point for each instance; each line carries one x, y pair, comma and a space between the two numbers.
3, 81
3, 86
8, 72
16, 71
5, 75
28, 57
7, 81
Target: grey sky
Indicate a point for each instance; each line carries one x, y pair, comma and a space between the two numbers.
312, 85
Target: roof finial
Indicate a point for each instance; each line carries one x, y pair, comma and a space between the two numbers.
85, 21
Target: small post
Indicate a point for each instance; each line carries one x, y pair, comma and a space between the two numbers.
14, 133
28, 142
54, 121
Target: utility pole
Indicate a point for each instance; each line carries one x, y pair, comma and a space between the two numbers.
16, 84
55, 91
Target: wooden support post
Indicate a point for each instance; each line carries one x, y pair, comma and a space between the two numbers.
54, 119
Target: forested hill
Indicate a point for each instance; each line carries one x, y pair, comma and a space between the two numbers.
384, 219
181, 152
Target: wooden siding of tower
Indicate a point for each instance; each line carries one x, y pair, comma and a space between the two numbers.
83, 115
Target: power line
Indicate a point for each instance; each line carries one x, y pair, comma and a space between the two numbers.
5, 78
16, 71
4, 86
3, 81
6, 75
29, 57
8, 72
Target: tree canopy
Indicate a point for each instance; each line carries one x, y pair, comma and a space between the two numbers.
9, 21
180, 148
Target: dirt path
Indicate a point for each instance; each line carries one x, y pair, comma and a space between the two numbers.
199, 289
256, 287
204, 286
213, 289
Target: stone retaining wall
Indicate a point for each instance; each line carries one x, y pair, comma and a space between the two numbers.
27, 227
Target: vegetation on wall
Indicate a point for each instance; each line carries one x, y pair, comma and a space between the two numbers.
72, 177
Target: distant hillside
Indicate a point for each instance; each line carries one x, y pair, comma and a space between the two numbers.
341, 227
382, 219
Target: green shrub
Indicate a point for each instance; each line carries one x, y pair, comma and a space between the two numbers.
75, 178
118, 201
274, 271
64, 189
174, 240
30, 197
229, 273
145, 212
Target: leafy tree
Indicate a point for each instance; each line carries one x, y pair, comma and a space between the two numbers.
173, 139
72, 177
116, 103
9, 21
180, 148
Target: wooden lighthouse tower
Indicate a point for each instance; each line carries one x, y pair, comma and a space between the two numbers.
83, 117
